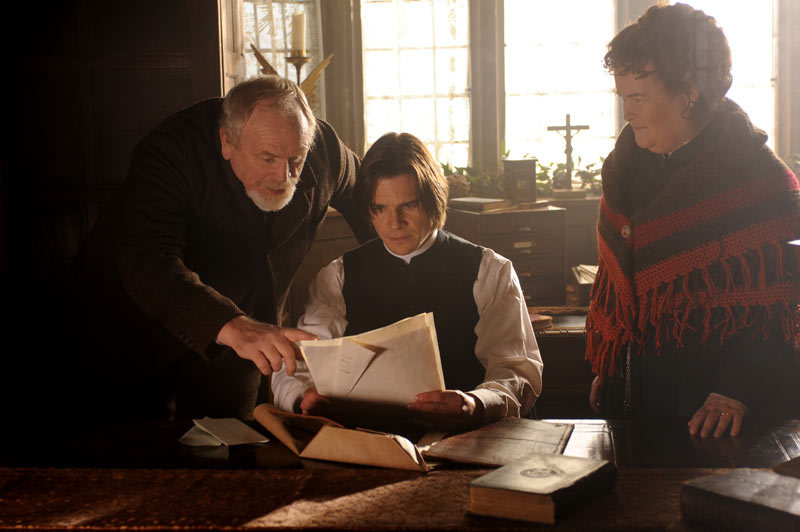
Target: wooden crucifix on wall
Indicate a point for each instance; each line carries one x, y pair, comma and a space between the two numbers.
567, 129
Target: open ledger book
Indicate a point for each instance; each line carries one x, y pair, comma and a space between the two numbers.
387, 366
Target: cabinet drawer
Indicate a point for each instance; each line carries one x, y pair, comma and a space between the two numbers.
511, 246
521, 223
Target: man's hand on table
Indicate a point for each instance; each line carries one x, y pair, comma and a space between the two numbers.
718, 411
448, 409
267, 346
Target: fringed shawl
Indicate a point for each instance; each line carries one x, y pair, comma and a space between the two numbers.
707, 254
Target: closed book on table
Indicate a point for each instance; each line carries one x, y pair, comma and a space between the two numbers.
541, 487
502, 442
743, 500
479, 204
540, 321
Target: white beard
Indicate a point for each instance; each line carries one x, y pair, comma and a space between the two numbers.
270, 203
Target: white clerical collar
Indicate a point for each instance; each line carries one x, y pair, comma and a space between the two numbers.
425, 246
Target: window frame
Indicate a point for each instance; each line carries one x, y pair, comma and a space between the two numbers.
487, 122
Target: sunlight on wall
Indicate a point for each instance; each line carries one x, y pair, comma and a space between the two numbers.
416, 55
554, 53
750, 29
415, 73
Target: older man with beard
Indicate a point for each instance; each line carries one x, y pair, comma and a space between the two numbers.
185, 278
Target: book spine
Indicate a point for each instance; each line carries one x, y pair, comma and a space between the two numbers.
718, 512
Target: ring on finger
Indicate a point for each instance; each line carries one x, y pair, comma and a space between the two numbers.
725, 413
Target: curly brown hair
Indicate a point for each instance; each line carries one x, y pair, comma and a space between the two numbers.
402, 153
684, 46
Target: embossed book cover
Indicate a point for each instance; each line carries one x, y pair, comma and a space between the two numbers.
541, 487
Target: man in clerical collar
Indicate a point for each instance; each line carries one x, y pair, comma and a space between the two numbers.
490, 360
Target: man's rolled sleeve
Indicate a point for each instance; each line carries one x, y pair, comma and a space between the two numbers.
506, 344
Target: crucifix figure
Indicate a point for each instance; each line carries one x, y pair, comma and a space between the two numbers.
568, 129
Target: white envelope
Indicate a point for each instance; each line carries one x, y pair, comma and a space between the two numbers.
323, 439
389, 365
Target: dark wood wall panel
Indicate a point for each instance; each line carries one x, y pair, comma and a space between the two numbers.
142, 26
46, 138
146, 97
59, 235
96, 77
85, 80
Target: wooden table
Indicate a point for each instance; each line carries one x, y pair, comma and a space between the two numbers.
349, 499
568, 375
166, 486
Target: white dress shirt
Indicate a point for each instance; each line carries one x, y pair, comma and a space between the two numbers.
506, 345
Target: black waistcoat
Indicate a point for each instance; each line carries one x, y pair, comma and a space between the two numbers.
380, 289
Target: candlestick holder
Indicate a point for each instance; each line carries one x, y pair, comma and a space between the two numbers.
298, 58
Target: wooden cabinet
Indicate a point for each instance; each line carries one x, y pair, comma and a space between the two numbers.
567, 374
581, 229
533, 239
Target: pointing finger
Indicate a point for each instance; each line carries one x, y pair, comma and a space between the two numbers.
296, 335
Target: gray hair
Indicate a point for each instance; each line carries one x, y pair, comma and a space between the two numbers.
279, 93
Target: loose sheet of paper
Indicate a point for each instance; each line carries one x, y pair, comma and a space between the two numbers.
354, 359
387, 365
221, 431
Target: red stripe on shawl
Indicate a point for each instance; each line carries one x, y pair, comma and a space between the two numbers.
783, 292
605, 338
759, 304
676, 266
714, 207
733, 245
616, 219
614, 271
779, 229
608, 328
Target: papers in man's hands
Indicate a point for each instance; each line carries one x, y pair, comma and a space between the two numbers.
389, 365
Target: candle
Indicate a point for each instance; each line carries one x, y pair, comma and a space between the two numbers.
299, 33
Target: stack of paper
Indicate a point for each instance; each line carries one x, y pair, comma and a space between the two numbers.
388, 365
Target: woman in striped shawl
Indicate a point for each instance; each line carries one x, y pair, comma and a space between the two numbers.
694, 307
